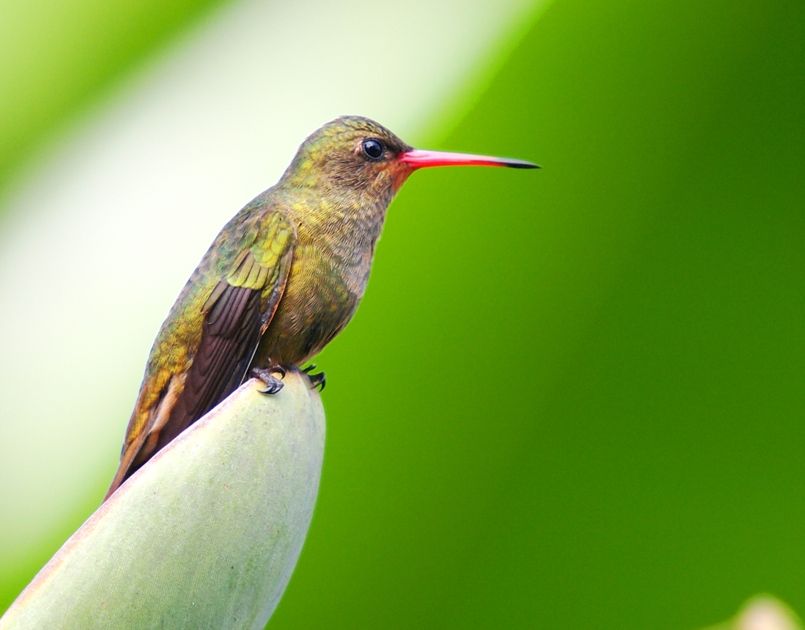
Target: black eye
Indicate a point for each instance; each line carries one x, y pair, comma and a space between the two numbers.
372, 148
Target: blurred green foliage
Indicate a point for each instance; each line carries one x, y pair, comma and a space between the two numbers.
56, 57
573, 398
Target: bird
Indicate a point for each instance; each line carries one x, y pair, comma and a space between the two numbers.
281, 279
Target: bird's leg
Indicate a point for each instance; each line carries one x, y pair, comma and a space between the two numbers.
273, 383
316, 380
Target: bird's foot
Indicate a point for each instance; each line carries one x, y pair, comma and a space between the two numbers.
267, 375
316, 380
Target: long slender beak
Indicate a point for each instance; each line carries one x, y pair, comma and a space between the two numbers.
416, 158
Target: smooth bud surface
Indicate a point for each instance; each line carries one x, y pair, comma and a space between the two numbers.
205, 535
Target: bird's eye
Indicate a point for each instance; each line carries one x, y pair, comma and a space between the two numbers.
372, 148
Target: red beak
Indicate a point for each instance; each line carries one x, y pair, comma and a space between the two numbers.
416, 158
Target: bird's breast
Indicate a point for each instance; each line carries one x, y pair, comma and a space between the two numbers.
320, 298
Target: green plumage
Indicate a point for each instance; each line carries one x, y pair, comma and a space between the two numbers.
281, 279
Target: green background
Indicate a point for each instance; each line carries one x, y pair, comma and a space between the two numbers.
573, 397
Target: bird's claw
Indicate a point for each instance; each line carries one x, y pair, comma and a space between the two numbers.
271, 382
309, 368
316, 380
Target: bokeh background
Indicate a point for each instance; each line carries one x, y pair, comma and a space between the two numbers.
571, 398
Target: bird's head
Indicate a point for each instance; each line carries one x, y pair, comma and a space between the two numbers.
353, 154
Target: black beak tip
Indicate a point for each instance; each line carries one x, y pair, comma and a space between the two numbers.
521, 164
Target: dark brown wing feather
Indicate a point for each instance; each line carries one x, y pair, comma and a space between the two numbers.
236, 316
230, 336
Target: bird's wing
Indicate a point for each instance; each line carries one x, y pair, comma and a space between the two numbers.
235, 315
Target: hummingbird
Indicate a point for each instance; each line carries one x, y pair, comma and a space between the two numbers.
281, 279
